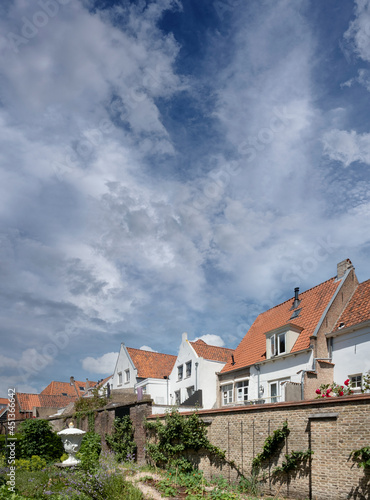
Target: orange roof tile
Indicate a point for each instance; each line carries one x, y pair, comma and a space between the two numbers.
358, 308
28, 401
252, 349
66, 388
151, 364
3, 401
212, 352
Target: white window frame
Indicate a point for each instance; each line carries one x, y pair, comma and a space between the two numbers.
242, 389
279, 383
119, 378
180, 372
354, 385
275, 344
127, 376
227, 394
188, 369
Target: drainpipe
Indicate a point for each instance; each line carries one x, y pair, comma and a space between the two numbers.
196, 375
258, 368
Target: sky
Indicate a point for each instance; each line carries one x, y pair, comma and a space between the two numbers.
171, 166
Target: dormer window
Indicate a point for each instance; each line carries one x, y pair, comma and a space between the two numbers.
281, 340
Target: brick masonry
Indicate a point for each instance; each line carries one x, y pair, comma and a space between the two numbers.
331, 428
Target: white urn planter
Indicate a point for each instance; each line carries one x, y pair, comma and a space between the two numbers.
71, 439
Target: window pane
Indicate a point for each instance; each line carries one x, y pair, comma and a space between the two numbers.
273, 392
272, 344
227, 392
179, 372
242, 390
188, 369
281, 340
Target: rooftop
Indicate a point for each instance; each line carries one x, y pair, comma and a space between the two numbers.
151, 364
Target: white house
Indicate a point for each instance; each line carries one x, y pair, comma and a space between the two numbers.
284, 355
349, 341
143, 371
193, 378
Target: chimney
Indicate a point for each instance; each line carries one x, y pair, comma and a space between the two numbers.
343, 267
71, 380
296, 299
184, 337
87, 385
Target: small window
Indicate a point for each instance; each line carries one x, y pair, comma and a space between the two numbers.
274, 392
356, 381
227, 394
64, 394
127, 376
242, 391
177, 398
281, 343
273, 346
82, 388
119, 378
188, 369
180, 372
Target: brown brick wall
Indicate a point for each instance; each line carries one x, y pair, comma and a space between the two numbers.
332, 475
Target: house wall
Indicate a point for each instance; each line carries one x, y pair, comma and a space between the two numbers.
331, 428
351, 354
158, 389
124, 363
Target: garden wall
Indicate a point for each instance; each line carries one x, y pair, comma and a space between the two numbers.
331, 428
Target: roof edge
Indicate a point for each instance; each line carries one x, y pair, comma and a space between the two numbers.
348, 329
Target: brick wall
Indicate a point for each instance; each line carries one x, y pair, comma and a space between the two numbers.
332, 428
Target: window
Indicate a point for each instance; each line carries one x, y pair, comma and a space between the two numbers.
127, 376
242, 391
227, 394
278, 344
82, 388
275, 388
179, 372
119, 378
188, 369
64, 394
356, 381
190, 391
177, 397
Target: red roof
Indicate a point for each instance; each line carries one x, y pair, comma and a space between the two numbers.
3, 401
212, 352
66, 388
28, 401
358, 308
151, 364
252, 349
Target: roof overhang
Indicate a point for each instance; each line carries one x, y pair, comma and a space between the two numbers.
288, 326
348, 329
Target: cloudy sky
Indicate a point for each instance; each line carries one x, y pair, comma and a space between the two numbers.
171, 166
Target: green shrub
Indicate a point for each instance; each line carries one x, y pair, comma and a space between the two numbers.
38, 438
90, 450
121, 442
16, 438
32, 464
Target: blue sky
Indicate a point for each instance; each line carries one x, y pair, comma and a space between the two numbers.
171, 166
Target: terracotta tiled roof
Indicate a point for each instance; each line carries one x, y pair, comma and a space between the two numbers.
151, 364
3, 401
28, 401
66, 388
358, 308
212, 352
252, 348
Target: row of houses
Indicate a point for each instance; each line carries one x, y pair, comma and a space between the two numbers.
318, 336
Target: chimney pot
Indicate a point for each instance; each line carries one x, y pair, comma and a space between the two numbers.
342, 268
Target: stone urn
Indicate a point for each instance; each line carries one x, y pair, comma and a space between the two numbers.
71, 439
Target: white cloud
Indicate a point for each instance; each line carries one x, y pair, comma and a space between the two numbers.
358, 33
347, 147
211, 339
103, 365
147, 348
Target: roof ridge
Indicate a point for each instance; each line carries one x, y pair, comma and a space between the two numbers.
210, 345
151, 352
301, 293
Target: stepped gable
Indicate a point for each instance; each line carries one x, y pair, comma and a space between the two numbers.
313, 302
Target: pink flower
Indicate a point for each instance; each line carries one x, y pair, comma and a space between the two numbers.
318, 391
346, 382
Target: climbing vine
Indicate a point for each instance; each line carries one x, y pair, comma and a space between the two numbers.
362, 457
292, 461
121, 441
271, 446
178, 435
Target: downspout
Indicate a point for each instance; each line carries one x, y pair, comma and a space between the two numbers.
258, 368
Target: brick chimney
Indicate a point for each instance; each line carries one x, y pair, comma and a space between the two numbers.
343, 267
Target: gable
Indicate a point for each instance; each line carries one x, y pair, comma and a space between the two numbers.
358, 308
211, 352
